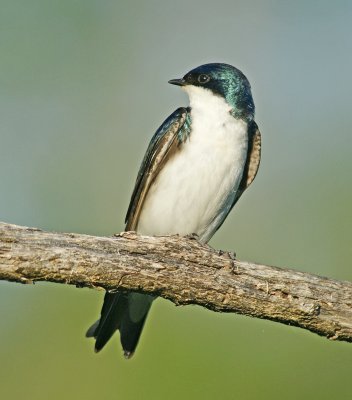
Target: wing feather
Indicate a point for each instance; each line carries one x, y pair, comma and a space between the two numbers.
164, 143
253, 160
253, 157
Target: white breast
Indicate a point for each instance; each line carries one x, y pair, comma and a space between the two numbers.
195, 185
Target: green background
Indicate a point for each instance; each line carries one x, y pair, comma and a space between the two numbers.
83, 87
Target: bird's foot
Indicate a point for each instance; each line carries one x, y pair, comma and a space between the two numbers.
192, 236
230, 254
233, 267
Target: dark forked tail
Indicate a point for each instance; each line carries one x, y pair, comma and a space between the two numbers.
125, 312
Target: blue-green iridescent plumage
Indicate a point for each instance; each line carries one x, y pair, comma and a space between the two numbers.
229, 83
185, 130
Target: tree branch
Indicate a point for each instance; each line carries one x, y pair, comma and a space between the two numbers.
181, 270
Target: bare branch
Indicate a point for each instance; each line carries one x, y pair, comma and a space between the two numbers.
181, 270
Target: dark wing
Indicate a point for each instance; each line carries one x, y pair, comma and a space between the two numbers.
252, 162
116, 311
163, 144
253, 156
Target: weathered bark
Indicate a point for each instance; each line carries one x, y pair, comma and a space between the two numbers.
181, 270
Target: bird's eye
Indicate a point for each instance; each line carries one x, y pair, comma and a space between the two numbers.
202, 78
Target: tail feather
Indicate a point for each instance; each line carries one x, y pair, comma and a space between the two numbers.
111, 313
91, 331
126, 312
130, 333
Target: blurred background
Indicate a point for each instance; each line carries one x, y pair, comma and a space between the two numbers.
83, 88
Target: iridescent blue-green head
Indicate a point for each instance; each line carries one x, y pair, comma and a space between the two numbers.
223, 80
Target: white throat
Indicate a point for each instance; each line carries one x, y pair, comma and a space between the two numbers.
206, 100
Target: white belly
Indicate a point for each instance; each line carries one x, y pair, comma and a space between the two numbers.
196, 184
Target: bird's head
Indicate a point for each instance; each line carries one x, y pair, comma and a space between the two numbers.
222, 80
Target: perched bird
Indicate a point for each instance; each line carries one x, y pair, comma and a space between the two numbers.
197, 165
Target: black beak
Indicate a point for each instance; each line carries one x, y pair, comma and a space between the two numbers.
178, 82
